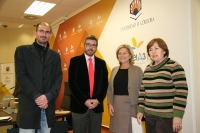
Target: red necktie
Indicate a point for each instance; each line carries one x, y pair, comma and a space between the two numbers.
91, 76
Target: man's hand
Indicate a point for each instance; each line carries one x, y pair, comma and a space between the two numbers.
95, 103
91, 103
42, 102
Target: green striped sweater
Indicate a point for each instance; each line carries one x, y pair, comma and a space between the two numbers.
164, 90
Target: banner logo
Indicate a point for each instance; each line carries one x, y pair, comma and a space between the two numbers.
65, 68
135, 8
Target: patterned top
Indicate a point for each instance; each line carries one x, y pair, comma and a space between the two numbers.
164, 90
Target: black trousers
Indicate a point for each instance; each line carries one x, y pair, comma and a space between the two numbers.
156, 124
89, 122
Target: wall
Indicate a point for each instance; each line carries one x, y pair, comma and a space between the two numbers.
195, 10
10, 39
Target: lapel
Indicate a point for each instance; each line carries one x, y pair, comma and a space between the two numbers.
114, 72
47, 57
96, 66
34, 52
84, 65
132, 74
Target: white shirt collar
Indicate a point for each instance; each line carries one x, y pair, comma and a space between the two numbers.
87, 57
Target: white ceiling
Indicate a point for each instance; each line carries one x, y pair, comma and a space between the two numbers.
12, 11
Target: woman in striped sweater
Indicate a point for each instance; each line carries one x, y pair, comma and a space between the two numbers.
163, 93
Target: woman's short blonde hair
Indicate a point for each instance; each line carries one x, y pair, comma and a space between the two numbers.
130, 51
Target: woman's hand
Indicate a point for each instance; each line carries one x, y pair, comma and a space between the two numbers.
111, 109
177, 124
139, 117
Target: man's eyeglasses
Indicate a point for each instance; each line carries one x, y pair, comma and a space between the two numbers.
46, 32
90, 45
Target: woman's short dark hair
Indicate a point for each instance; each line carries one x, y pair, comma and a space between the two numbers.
161, 44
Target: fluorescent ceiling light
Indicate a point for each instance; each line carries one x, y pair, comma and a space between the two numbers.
39, 8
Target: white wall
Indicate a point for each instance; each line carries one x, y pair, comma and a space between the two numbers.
195, 10
171, 21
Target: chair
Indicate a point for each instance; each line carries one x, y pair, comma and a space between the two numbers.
13, 130
60, 127
65, 105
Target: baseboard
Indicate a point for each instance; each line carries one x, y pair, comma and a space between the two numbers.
104, 126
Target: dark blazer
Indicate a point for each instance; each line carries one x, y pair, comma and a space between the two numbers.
34, 77
79, 83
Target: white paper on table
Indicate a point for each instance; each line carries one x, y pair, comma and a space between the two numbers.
136, 128
5, 118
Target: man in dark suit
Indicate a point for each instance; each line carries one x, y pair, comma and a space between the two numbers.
39, 75
87, 92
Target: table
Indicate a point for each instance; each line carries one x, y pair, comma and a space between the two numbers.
63, 116
14, 122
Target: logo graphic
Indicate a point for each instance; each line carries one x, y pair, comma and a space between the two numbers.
79, 28
135, 8
59, 37
135, 45
99, 20
71, 49
66, 50
139, 54
64, 35
98, 17
7, 69
65, 67
73, 31
59, 51
91, 22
